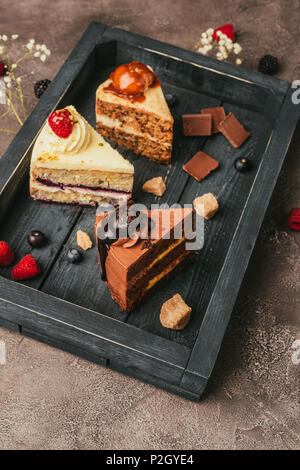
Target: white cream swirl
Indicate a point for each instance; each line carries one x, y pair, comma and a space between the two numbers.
77, 141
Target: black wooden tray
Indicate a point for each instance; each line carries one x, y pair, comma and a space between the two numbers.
68, 306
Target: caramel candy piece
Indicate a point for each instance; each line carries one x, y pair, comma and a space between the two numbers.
218, 115
197, 124
155, 186
233, 130
200, 165
206, 205
175, 313
83, 240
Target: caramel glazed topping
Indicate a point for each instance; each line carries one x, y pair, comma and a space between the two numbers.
146, 223
130, 81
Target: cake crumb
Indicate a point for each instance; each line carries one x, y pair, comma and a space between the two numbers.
206, 205
84, 240
155, 186
175, 313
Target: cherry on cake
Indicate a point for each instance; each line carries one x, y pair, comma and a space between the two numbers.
131, 110
72, 163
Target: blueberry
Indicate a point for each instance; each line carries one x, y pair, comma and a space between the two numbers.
74, 256
171, 99
37, 239
242, 164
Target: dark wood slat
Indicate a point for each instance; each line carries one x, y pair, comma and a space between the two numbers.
8, 325
196, 284
81, 284
238, 254
208, 63
112, 338
88, 290
56, 221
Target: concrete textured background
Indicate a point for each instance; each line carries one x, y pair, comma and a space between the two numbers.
52, 400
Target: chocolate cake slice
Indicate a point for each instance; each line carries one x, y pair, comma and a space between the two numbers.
134, 268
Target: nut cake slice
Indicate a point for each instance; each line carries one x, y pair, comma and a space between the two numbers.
131, 110
71, 163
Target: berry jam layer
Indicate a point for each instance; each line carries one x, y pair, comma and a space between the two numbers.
94, 189
76, 195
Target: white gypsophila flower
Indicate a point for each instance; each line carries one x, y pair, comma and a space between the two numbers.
4, 37
238, 61
29, 46
218, 33
14, 66
14, 36
19, 79
48, 52
210, 31
38, 47
43, 57
43, 47
7, 79
37, 54
32, 41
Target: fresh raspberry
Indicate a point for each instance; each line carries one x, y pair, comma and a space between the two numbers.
294, 219
227, 29
61, 122
6, 254
25, 269
2, 68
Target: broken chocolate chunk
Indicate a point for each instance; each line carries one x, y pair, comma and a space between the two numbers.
200, 165
233, 130
218, 115
197, 124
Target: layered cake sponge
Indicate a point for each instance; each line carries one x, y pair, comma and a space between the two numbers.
72, 163
131, 110
134, 268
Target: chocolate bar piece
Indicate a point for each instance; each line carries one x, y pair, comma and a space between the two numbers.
233, 130
197, 124
218, 115
200, 165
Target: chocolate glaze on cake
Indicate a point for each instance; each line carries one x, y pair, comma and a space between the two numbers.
133, 273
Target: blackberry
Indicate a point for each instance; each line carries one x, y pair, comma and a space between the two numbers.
268, 64
171, 99
41, 86
74, 256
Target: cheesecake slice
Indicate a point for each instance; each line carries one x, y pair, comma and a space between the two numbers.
72, 163
131, 110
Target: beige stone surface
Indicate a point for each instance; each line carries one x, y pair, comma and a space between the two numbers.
52, 400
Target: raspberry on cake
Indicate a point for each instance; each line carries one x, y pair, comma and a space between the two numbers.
135, 267
131, 110
71, 163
